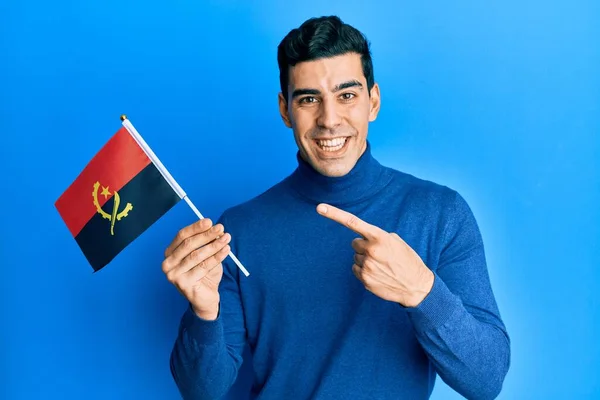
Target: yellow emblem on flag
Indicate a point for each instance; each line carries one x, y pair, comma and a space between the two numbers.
116, 214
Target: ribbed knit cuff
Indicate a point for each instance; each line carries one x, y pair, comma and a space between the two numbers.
203, 331
437, 307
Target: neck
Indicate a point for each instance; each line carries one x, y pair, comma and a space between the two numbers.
364, 180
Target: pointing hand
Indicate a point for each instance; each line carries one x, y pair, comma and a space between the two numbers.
383, 262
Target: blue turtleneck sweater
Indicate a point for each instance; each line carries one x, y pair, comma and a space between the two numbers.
314, 331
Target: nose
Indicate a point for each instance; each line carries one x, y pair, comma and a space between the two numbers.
329, 115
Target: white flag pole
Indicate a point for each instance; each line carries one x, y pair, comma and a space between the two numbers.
142, 143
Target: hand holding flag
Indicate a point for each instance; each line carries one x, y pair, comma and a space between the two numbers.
122, 191
193, 265
385, 264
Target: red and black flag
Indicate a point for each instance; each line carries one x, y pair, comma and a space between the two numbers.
118, 195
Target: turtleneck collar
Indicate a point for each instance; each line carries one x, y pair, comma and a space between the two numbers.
364, 180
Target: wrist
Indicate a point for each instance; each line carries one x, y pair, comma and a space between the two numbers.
423, 289
207, 313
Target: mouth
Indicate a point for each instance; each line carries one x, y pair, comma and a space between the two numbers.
332, 146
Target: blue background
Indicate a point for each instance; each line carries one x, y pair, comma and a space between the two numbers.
499, 100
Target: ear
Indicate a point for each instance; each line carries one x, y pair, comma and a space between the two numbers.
283, 110
375, 101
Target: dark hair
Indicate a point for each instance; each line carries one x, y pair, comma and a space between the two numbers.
322, 37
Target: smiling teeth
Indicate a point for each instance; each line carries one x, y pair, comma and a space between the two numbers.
332, 144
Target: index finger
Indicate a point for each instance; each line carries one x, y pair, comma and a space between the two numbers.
350, 221
190, 230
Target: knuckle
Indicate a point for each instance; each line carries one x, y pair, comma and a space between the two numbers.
366, 262
352, 221
358, 270
171, 276
165, 265
205, 224
203, 264
208, 233
181, 235
224, 252
220, 255
366, 279
217, 245
190, 258
373, 251
196, 256
212, 261
208, 263
186, 244
221, 242
217, 229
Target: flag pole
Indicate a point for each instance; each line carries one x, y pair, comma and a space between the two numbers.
165, 173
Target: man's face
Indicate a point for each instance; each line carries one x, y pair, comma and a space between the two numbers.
329, 110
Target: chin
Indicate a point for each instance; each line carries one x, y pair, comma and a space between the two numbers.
334, 172
333, 169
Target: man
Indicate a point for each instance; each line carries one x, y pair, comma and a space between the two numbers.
365, 282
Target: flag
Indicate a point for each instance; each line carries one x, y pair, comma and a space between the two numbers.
119, 194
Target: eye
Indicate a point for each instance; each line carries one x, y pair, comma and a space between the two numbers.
348, 96
308, 99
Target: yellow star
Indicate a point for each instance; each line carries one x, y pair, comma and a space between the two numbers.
105, 192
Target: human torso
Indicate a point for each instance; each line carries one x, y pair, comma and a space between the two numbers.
314, 330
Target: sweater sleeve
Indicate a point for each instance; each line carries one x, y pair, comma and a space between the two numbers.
207, 355
458, 324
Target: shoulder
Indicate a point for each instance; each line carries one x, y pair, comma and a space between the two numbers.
431, 200
442, 206
426, 192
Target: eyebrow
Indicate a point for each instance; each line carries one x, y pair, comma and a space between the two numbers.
336, 88
348, 84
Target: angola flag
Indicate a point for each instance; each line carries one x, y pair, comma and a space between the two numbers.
118, 195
